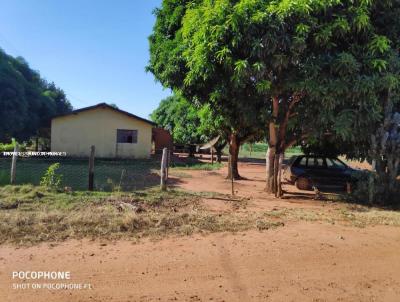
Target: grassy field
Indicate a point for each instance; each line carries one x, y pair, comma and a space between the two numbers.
195, 164
258, 150
31, 214
110, 175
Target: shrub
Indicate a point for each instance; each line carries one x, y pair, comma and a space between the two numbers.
10, 147
382, 193
51, 178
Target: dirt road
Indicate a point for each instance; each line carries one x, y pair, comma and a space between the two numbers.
301, 261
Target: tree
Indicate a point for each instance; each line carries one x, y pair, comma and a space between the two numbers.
180, 117
358, 81
170, 61
246, 52
189, 124
310, 68
302, 56
27, 102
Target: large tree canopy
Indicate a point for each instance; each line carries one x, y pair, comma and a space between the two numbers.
188, 124
311, 68
27, 102
169, 62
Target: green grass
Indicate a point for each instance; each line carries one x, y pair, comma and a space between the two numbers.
197, 166
258, 150
30, 215
109, 174
194, 164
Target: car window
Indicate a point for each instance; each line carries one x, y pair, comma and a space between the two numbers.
316, 162
319, 162
303, 162
334, 163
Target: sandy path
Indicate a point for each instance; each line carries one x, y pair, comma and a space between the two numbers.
300, 262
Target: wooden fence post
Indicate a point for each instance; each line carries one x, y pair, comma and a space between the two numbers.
91, 169
212, 155
168, 162
231, 166
14, 164
163, 172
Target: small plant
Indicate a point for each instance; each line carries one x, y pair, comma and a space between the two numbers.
51, 178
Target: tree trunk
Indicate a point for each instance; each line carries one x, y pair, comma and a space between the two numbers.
218, 152
384, 153
192, 150
234, 144
219, 155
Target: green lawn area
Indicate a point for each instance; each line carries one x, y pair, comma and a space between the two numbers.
31, 214
258, 150
112, 175
109, 174
195, 164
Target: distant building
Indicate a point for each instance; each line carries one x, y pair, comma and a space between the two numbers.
115, 133
162, 139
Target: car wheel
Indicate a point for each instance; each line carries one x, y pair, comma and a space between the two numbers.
303, 183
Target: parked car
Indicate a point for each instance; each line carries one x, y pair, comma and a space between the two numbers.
307, 171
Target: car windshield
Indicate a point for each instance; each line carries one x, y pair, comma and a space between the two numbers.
335, 163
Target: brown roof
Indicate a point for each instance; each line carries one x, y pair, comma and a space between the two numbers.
104, 105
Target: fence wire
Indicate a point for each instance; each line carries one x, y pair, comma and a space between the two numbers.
109, 175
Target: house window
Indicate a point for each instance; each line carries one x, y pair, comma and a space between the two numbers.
127, 136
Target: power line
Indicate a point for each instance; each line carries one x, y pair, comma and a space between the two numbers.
9, 44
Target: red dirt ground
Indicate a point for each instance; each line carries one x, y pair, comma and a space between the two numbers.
302, 261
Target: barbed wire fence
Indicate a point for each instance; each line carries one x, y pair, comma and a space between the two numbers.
109, 174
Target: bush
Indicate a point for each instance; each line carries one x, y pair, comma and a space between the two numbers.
10, 147
51, 179
382, 192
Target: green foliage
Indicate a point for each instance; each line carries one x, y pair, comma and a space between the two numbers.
10, 147
187, 123
341, 57
51, 179
184, 51
27, 101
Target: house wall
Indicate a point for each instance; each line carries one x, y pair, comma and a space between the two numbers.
75, 134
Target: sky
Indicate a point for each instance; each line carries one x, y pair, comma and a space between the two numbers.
95, 50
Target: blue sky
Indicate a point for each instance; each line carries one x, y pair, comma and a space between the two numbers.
95, 50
